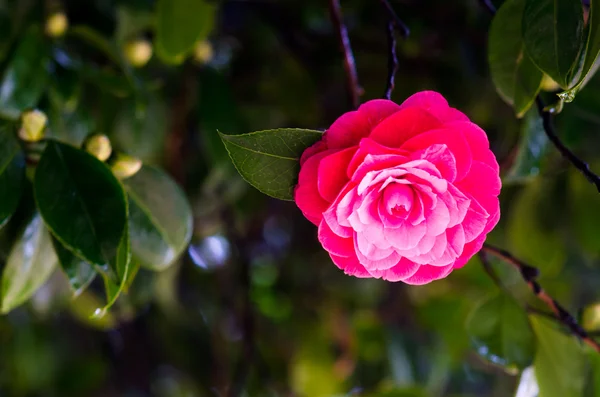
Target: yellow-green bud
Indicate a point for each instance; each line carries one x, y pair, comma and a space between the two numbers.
548, 84
203, 52
57, 24
138, 52
33, 123
98, 146
125, 166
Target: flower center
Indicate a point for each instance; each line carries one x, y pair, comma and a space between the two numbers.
399, 199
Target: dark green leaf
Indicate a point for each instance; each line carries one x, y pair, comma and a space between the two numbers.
5, 33
500, 331
26, 75
12, 173
81, 201
592, 51
553, 32
269, 160
560, 362
516, 78
180, 24
29, 265
160, 218
532, 148
79, 272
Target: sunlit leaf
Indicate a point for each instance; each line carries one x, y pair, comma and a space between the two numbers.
560, 362
269, 160
29, 265
516, 78
160, 218
500, 332
553, 33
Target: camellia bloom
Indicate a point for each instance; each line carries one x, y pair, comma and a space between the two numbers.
401, 192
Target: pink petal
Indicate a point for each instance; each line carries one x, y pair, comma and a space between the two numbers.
403, 270
406, 236
475, 221
403, 125
332, 173
479, 143
438, 220
378, 263
483, 184
453, 139
350, 266
318, 147
306, 194
427, 274
333, 243
457, 203
364, 248
441, 157
348, 130
434, 103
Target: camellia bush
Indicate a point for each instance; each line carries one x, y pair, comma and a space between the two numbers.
300, 198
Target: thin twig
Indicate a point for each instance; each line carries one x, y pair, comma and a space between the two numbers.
398, 23
529, 275
392, 61
487, 4
581, 165
354, 88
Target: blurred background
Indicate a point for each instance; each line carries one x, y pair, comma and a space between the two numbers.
255, 307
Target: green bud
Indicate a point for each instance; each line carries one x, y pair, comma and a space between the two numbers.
138, 52
203, 52
125, 166
57, 24
33, 123
99, 146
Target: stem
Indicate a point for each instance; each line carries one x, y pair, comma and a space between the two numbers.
487, 4
529, 275
354, 88
392, 61
400, 25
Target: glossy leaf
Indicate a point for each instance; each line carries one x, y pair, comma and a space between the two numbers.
180, 24
26, 76
560, 362
553, 33
160, 218
12, 173
516, 78
79, 272
592, 51
81, 202
500, 332
269, 160
532, 148
29, 265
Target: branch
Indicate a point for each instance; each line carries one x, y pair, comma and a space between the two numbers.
529, 275
392, 61
400, 26
487, 4
354, 88
582, 166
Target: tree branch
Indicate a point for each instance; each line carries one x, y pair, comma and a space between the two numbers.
487, 4
582, 166
392, 61
354, 87
398, 23
529, 275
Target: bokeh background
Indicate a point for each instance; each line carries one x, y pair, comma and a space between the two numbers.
255, 307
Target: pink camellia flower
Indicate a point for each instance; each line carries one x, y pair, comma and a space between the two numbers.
401, 192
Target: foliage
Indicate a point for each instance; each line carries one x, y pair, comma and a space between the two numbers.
142, 263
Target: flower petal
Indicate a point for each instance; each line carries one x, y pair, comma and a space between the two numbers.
434, 103
350, 266
403, 125
332, 173
427, 274
333, 243
402, 270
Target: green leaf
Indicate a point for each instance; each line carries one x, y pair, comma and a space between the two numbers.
160, 218
269, 160
553, 32
29, 265
532, 148
592, 51
79, 272
180, 24
583, 211
560, 362
12, 173
81, 202
131, 21
26, 76
500, 331
516, 78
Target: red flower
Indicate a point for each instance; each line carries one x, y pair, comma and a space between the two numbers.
404, 193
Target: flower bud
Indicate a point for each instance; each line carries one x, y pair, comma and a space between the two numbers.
124, 166
548, 84
33, 123
99, 146
57, 24
203, 53
138, 52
